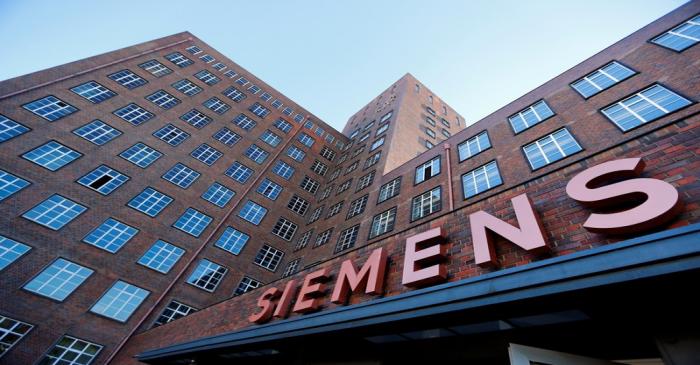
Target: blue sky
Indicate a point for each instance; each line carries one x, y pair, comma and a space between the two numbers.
332, 57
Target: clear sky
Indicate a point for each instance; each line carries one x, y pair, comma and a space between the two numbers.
332, 57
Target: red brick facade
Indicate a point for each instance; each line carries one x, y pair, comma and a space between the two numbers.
668, 145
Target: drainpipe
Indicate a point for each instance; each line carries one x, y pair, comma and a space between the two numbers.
450, 194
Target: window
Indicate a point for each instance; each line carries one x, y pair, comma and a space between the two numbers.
128, 79
601, 79
551, 148
283, 170
473, 146
230, 74
376, 144
344, 186
429, 109
93, 92
277, 104
268, 257
242, 81
10, 129
323, 237
227, 136
265, 96
444, 121
368, 126
319, 167
334, 175
352, 167
207, 58
181, 175
372, 160
426, 204
10, 184
682, 36
156, 68
643, 107
50, 108
11, 332
52, 155
306, 139
150, 202
97, 132
334, 209
288, 111
171, 135
347, 238
358, 151
285, 229
234, 94
247, 284
134, 114
73, 351
298, 205
120, 301
315, 215
357, 206
103, 180
271, 138
386, 117
283, 125
187, 87
207, 77
174, 310
354, 134
206, 154
10, 251
365, 181
259, 110
303, 241
428, 170
254, 89
253, 212
192, 222
55, 212
218, 195
219, 66
364, 137
389, 190
257, 154
481, 179
179, 59
269, 189
383, 128
327, 153
244, 122
310, 185
161, 257
216, 105
292, 268
430, 121
232, 240
163, 99
430, 132
530, 116
445, 133
207, 275
193, 50
383, 223
239, 172
141, 155
59, 279
111, 235
196, 119
295, 153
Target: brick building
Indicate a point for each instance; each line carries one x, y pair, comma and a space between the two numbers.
146, 191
